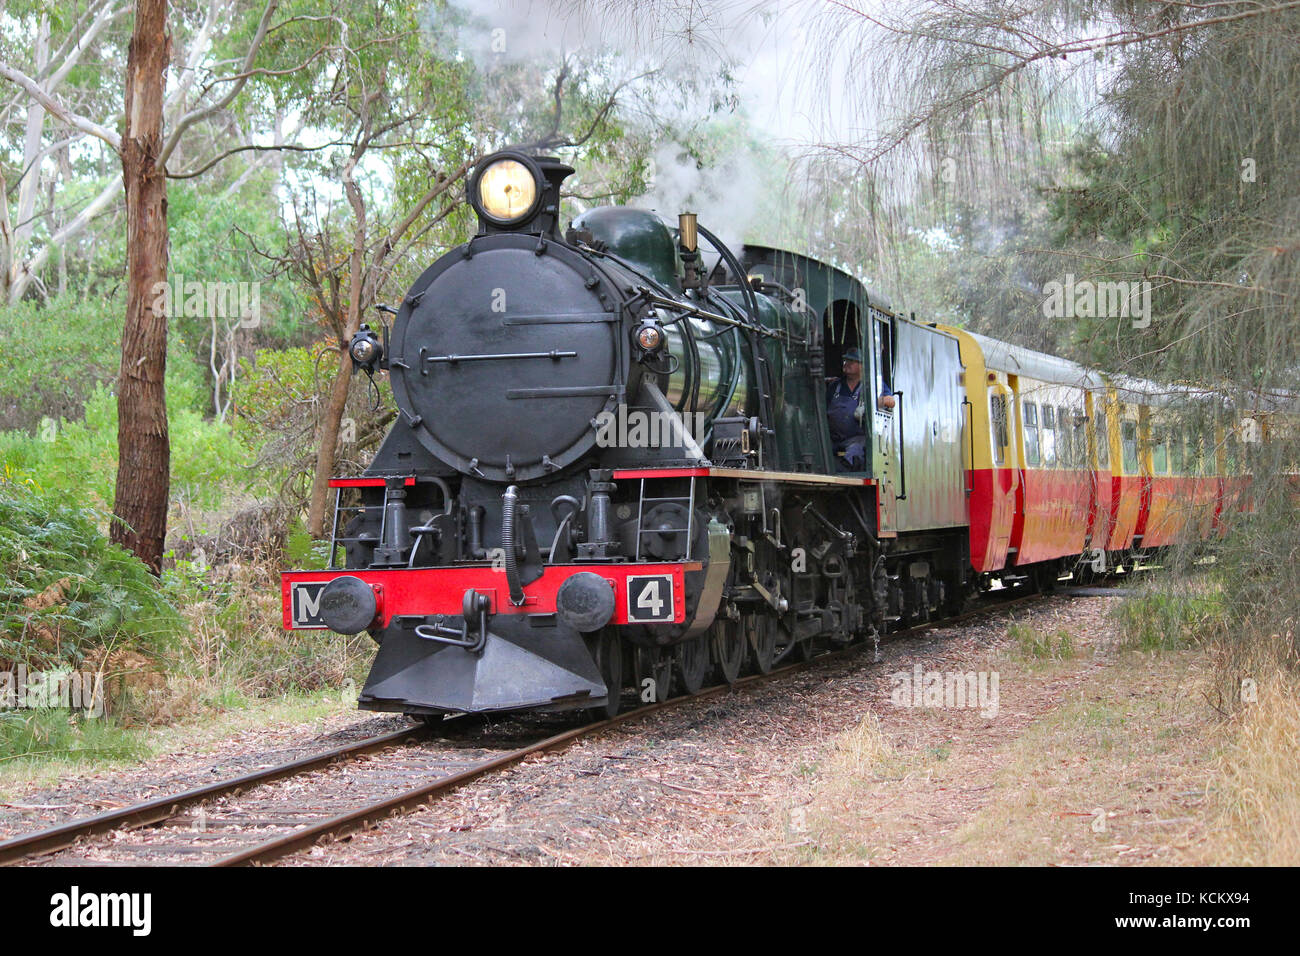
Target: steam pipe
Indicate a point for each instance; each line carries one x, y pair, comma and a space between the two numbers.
476, 548
509, 501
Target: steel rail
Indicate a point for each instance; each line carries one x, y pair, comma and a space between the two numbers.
161, 809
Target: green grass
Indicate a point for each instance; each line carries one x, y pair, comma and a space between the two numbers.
55, 735
38, 747
1033, 644
65, 591
1164, 619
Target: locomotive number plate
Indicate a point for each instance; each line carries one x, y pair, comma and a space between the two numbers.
304, 604
650, 598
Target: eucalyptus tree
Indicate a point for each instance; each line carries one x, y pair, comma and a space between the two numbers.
80, 98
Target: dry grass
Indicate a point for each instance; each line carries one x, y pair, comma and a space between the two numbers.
1118, 754
1115, 772
1104, 756
234, 649
1258, 777
861, 753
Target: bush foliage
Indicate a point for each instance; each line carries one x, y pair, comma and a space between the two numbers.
66, 593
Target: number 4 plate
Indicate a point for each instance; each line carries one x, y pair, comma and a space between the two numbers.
650, 598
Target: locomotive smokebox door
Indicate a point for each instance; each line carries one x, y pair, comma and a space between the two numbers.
502, 360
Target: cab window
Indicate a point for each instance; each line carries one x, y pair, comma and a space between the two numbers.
884, 358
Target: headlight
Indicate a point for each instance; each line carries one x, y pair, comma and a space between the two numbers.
507, 191
365, 349
649, 336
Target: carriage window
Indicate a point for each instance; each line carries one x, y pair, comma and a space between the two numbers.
1230, 451
1080, 438
1031, 433
1177, 461
1103, 441
998, 416
1049, 437
1160, 453
1129, 443
1064, 446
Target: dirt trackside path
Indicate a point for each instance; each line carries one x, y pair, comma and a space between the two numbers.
1100, 757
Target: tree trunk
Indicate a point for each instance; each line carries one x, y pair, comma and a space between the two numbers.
328, 435
144, 452
30, 182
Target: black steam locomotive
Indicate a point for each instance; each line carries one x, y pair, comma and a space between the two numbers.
612, 466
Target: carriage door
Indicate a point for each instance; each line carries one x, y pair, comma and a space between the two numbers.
1005, 478
885, 421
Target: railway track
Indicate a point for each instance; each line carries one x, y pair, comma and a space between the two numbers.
261, 816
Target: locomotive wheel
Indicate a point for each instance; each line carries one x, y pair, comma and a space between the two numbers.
607, 651
731, 647
803, 650
656, 664
762, 634
692, 662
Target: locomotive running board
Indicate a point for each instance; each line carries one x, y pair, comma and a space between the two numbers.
745, 474
522, 665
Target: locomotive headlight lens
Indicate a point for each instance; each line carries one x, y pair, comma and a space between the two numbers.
650, 337
507, 190
363, 350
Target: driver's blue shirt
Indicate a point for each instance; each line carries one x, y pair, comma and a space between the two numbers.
841, 404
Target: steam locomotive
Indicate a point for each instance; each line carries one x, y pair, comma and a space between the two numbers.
612, 466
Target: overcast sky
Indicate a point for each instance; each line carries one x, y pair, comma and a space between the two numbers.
787, 85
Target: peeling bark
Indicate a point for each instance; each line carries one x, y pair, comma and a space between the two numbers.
144, 453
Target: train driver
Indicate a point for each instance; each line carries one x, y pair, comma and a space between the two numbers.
843, 396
